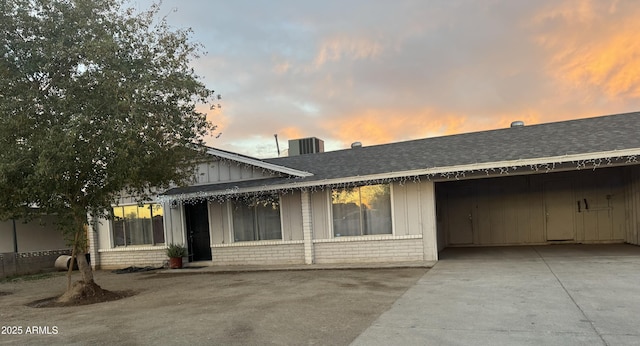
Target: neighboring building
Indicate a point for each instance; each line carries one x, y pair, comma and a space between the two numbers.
566, 182
39, 234
30, 247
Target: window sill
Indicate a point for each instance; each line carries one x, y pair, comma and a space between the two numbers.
259, 243
374, 237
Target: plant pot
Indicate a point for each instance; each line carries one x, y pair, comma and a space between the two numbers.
175, 262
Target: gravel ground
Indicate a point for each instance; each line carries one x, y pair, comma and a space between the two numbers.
298, 307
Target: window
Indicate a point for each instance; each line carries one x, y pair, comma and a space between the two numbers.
138, 225
258, 219
361, 210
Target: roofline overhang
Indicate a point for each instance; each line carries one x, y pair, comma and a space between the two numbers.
434, 171
257, 162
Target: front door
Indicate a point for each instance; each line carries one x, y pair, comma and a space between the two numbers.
197, 222
559, 208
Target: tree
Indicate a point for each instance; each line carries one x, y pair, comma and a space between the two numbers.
96, 100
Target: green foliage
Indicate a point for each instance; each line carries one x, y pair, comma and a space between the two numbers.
95, 99
176, 250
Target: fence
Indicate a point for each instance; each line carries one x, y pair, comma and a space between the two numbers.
22, 263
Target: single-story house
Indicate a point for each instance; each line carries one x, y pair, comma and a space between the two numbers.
574, 181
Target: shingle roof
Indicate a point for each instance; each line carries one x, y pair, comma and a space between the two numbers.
590, 135
607, 133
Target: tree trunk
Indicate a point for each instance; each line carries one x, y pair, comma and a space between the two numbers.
85, 288
74, 252
85, 268
80, 246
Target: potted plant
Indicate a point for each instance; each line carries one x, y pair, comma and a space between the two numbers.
175, 252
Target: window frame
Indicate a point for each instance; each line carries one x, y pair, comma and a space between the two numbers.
154, 242
330, 213
232, 230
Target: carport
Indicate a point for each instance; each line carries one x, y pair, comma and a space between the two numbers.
590, 206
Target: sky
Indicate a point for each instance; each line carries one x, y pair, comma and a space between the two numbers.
379, 71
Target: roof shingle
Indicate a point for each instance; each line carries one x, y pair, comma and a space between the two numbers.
582, 136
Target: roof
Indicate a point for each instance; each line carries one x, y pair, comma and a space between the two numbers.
255, 162
566, 141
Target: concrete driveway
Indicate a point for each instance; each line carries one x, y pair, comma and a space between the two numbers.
528, 295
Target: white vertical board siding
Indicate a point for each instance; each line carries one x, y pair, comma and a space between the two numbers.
218, 172
406, 204
321, 215
291, 211
174, 225
428, 223
226, 223
104, 239
217, 222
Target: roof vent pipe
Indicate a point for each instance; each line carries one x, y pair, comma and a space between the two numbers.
517, 123
356, 145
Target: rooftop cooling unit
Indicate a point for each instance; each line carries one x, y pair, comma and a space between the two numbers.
305, 146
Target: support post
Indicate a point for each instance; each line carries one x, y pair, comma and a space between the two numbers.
307, 227
429, 223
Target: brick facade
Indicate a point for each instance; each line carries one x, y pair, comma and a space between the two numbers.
127, 257
336, 251
369, 251
239, 254
307, 236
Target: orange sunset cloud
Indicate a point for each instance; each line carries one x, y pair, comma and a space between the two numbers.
344, 72
598, 47
377, 126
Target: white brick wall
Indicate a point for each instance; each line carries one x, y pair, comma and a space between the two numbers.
116, 259
259, 254
339, 251
307, 226
370, 251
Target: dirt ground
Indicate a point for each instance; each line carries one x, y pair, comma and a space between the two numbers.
302, 307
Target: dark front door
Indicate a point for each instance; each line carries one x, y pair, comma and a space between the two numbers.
197, 219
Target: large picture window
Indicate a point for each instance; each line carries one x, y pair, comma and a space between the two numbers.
361, 210
258, 219
138, 224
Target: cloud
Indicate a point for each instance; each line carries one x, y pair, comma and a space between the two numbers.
377, 72
336, 49
281, 67
379, 126
595, 46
